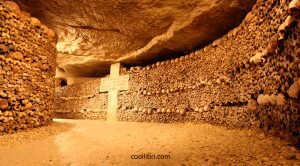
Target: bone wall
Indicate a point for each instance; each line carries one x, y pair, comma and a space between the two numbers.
247, 78
27, 69
81, 100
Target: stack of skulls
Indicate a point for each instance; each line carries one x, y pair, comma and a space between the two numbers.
27, 70
81, 100
248, 78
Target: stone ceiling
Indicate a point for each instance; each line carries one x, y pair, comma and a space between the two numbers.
95, 33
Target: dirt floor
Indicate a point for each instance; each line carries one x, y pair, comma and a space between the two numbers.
87, 142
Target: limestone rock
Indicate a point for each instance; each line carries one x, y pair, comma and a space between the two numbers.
95, 33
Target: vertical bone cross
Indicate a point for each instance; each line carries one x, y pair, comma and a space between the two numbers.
112, 85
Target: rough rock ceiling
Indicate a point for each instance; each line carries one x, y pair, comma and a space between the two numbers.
96, 33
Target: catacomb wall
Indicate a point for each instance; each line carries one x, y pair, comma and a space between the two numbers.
27, 70
81, 100
247, 78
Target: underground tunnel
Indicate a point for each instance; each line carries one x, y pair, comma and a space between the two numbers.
137, 82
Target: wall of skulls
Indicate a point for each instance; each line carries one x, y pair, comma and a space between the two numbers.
81, 100
27, 69
247, 78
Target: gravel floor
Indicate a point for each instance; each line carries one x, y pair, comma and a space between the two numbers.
87, 142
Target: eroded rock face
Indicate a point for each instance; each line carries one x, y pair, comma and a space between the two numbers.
96, 33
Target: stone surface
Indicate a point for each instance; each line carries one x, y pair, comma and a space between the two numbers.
115, 142
94, 34
112, 85
115, 82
